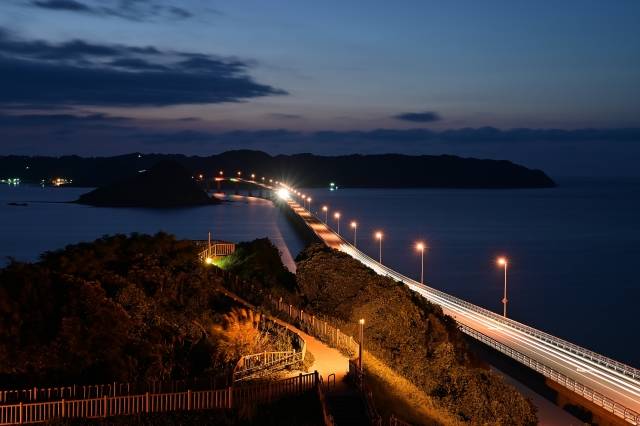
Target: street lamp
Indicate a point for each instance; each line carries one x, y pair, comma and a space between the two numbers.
325, 209
253, 176
420, 247
336, 215
309, 207
354, 225
502, 261
221, 173
361, 343
379, 238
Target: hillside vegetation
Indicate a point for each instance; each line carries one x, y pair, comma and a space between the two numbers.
123, 308
409, 334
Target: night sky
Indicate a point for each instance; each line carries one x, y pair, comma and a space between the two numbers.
552, 85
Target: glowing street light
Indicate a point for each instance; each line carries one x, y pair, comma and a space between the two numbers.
283, 194
253, 176
379, 238
420, 247
325, 209
354, 225
221, 173
361, 343
502, 261
336, 215
239, 174
309, 201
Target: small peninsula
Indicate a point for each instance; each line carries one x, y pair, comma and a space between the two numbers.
166, 184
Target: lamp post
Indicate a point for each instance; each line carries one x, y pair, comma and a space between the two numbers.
361, 343
379, 238
325, 209
420, 247
309, 200
336, 215
502, 261
354, 225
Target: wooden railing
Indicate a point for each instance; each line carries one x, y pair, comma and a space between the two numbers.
358, 377
250, 366
229, 398
317, 327
78, 391
216, 248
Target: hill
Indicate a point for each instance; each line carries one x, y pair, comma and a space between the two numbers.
356, 171
166, 184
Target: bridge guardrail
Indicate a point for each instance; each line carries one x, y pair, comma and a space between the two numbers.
582, 390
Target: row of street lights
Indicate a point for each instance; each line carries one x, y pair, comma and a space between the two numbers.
420, 246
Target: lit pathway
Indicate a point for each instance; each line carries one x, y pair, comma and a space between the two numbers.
327, 360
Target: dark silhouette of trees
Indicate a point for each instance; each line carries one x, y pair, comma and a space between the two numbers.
124, 308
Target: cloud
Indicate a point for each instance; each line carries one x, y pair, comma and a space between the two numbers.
58, 119
418, 117
82, 73
283, 116
134, 10
68, 5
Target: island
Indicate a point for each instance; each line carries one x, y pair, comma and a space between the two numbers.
166, 184
305, 170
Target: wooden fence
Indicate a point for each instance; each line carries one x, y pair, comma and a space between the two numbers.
358, 377
317, 327
229, 398
250, 366
75, 391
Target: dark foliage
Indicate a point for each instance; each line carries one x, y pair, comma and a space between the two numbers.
410, 334
166, 184
303, 169
258, 262
118, 309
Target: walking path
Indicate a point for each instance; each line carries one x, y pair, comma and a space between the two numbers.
327, 360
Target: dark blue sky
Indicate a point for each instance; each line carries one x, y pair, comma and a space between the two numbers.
99, 77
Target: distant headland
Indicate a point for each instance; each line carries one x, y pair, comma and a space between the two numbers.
306, 170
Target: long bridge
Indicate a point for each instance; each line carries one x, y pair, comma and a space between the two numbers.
609, 384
